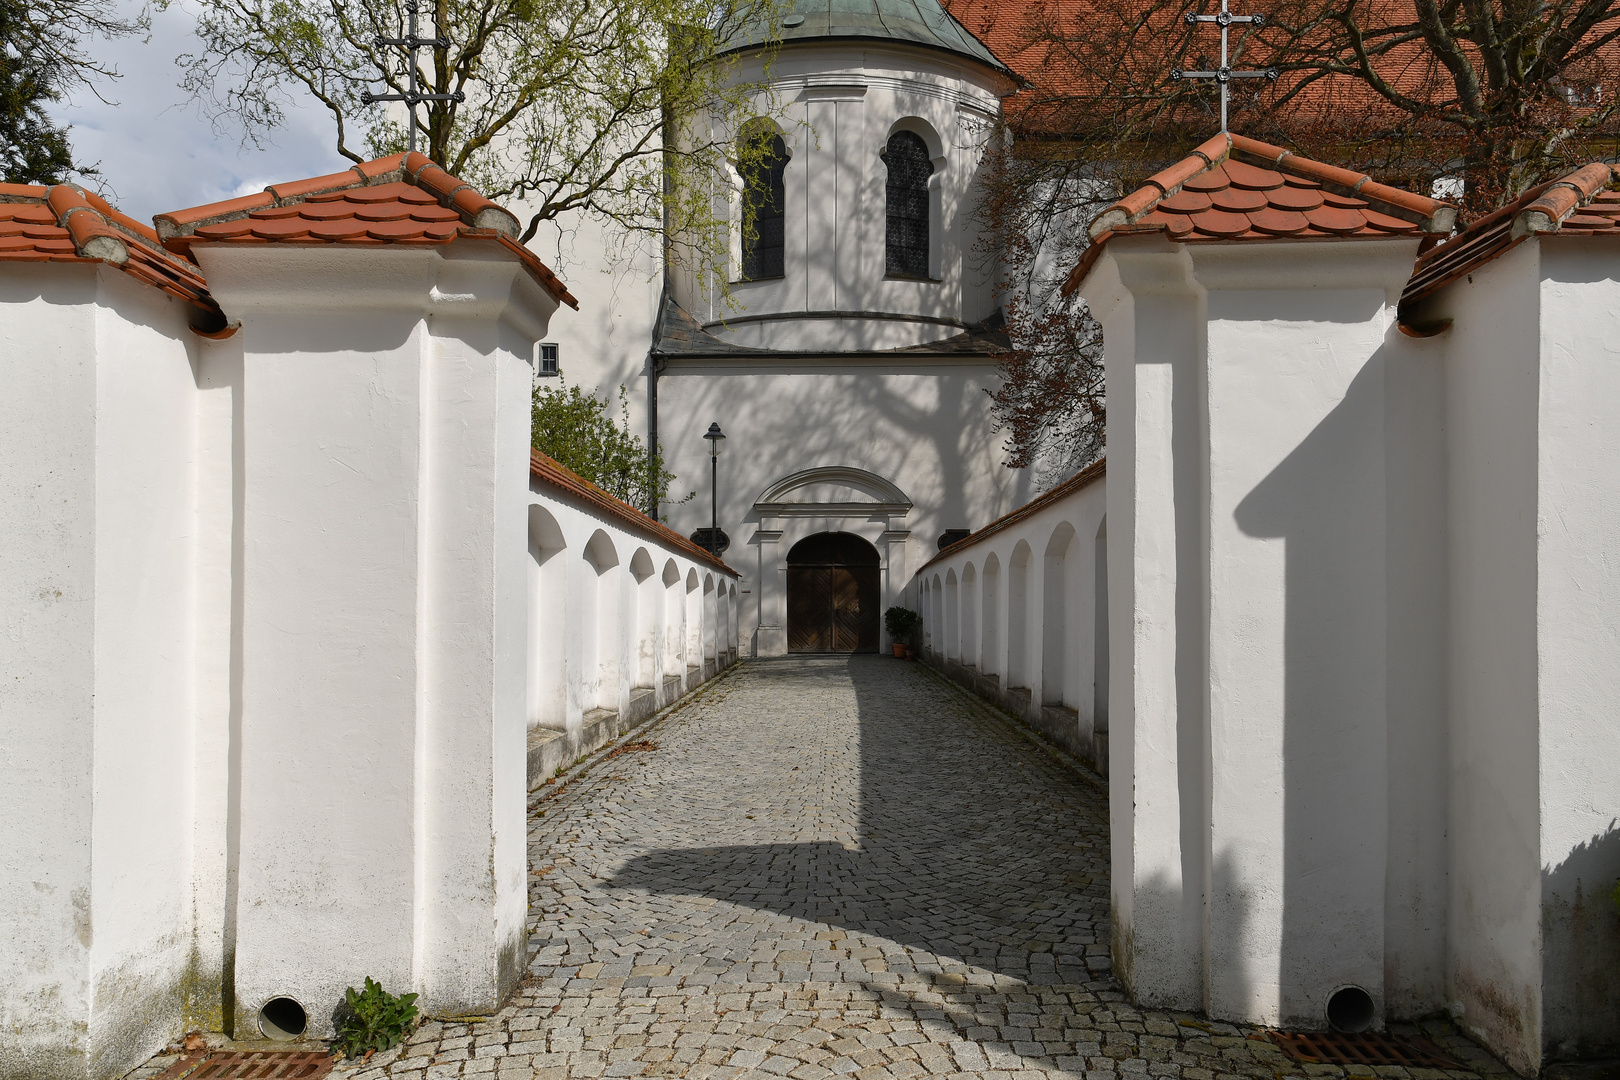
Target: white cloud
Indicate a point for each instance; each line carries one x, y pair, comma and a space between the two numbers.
156, 149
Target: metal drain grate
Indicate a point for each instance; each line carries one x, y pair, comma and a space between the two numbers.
250, 1065
1367, 1048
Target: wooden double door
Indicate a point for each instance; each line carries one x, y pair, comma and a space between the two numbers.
832, 609
834, 592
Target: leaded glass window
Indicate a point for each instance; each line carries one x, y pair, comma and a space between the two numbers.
906, 197
766, 204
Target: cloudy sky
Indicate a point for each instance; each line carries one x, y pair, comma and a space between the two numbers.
157, 149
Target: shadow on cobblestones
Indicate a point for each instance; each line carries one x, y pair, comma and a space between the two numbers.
824, 868
969, 844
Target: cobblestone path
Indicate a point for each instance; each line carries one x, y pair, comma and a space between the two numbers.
830, 867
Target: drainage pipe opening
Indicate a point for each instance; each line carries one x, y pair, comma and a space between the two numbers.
1350, 1010
282, 1019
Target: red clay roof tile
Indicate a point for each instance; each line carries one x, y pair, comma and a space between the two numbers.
65, 223
1579, 204
1235, 188
402, 199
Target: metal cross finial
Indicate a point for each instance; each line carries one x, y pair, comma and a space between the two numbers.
412, 96
1224, 75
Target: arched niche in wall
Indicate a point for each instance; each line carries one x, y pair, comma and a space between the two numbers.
1056, 633
970, 616
547, 607
647, 620
694, 619
674, 619
1018, 658
913, 156
990, 617
599, 626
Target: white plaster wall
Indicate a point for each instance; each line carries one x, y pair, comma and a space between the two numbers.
97, 455
1416, 890
1257, 460
672, 637
925, 428
1578, 658
1295, 633
1074, 517
145, 527
47, 701
603, 345
384, 623
1494, 850
1158, 795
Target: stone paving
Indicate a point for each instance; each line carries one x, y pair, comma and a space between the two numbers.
829, 867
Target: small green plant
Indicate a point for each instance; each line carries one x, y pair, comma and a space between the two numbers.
902, 623
373, 1019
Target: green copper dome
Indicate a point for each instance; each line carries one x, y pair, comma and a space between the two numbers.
914, 22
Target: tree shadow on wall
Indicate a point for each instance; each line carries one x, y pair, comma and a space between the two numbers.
1580, 932
969, 848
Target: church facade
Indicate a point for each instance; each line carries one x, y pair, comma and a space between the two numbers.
848, 367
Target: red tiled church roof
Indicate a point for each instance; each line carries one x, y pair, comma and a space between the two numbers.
1583, 203
65, 223
1236, 188
403, 199
548, 471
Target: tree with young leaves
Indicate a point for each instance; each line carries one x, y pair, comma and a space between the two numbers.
573, 428
1487, 96
569, 105
44, 54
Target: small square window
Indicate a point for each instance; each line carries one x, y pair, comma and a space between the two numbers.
548, 359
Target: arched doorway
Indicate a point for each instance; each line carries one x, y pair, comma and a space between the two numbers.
833, 594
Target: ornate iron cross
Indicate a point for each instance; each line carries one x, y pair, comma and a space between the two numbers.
1224, 75
413, 94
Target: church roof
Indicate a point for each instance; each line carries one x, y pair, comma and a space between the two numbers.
913, 22
402, 199
678, 336
66, 223
1237, 188
1583, 203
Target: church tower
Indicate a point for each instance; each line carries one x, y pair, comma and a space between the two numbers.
849, 366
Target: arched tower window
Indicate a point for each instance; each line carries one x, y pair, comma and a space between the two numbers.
906, 198
765, 205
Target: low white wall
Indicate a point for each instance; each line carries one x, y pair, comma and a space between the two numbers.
1012, 613
625, 618
98, 447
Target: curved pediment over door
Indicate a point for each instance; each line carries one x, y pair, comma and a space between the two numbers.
832, 490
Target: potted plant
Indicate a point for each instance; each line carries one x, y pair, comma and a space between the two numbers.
901, 623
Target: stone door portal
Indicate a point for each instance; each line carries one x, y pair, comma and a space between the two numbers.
833, 594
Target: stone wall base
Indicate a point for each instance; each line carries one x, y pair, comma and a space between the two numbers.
550, 750
1058, 724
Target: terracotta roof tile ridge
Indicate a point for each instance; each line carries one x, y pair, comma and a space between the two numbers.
1560, 199
475, 208
557, 474
177, 223
1435, 216
1096, 470
93, 236
1161, 185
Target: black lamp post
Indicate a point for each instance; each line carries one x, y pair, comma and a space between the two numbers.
712, 539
